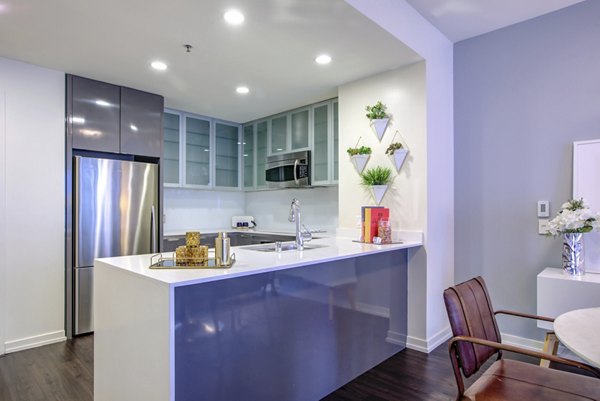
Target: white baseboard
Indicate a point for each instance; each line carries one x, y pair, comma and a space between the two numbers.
394, 337
428, 345
422, 345
370, 309
522, 342
34, 341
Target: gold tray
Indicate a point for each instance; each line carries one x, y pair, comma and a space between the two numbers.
159, 261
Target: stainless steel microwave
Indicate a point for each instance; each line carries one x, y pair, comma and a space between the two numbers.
288, 170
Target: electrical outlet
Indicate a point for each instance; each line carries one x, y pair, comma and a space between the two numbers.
543, 226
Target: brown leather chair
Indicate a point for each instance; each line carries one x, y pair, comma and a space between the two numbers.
477, 338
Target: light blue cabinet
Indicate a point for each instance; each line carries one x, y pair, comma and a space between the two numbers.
227, 155
300, 129
336, 142
200, 152
197, 151
325, 143
171, 149
248, 156
261, 154
279, 134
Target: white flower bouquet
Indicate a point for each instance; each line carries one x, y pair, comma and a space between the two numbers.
574, 217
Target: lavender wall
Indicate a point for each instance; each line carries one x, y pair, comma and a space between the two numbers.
523, 94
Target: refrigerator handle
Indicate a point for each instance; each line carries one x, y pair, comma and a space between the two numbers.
153, 228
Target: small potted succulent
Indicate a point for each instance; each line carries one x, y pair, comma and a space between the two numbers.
359, 156
397, 153
378, 117
377, 180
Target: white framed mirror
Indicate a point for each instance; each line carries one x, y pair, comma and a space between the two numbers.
586, 185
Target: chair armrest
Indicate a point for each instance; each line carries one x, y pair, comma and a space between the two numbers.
535, 354
525, 315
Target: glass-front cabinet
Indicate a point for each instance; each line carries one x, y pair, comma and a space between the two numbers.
200, 152
299, 129
227, 155
261, 154
279, 129
321, 151
325, 143
336, 142
248, 156
313, 128
205, 153
171, 149
197, 151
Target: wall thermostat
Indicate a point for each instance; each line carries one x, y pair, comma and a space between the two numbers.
543, 209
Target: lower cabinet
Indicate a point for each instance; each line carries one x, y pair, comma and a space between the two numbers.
171, 242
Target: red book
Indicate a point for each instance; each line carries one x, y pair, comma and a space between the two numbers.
372, 217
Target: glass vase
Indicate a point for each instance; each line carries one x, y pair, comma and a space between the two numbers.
572, 254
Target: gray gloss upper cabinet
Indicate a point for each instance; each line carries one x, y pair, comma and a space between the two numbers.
110, 118
95, 115
141, 123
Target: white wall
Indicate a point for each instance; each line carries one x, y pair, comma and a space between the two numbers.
403, 92
319, 208
523, 95
2, 222
431, 269
190, 209
34, 218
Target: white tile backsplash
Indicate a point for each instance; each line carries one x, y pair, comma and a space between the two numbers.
191, 209
319, 208
188, 209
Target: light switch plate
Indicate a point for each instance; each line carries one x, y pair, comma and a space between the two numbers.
543, 226
543, 209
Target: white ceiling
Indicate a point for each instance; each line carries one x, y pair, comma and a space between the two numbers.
463, 19
272, 52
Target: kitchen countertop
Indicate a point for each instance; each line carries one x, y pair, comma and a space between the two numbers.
179, 233
250, 262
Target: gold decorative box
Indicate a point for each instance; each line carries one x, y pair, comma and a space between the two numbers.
189, 256
192, 238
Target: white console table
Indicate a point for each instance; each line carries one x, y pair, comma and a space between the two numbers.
558, 293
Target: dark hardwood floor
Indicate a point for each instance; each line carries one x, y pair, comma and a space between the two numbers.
64, 372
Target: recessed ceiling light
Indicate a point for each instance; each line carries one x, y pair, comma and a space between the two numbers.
323, 59
234, 17
158, 65
242, 89
102, 103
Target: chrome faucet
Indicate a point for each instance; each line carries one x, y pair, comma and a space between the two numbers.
302, 234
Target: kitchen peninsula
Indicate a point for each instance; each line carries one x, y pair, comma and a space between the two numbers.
277, 325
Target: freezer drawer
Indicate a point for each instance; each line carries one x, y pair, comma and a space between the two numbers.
84, 311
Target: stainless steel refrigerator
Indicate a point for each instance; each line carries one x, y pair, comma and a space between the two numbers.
115, 206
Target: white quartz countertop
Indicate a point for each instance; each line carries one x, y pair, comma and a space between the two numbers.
250, 262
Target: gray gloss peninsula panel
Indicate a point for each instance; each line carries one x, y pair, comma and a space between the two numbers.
275, 326
295, 334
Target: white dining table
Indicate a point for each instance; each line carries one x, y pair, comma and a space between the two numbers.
579, 331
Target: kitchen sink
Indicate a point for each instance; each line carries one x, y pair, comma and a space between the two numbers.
285, 247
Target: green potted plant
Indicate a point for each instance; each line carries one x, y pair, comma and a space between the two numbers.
359, 156
377, 180
379, 118
397, 153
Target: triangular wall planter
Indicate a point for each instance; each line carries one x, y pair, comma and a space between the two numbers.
398, 157
359, 162
379, 126
378, 192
